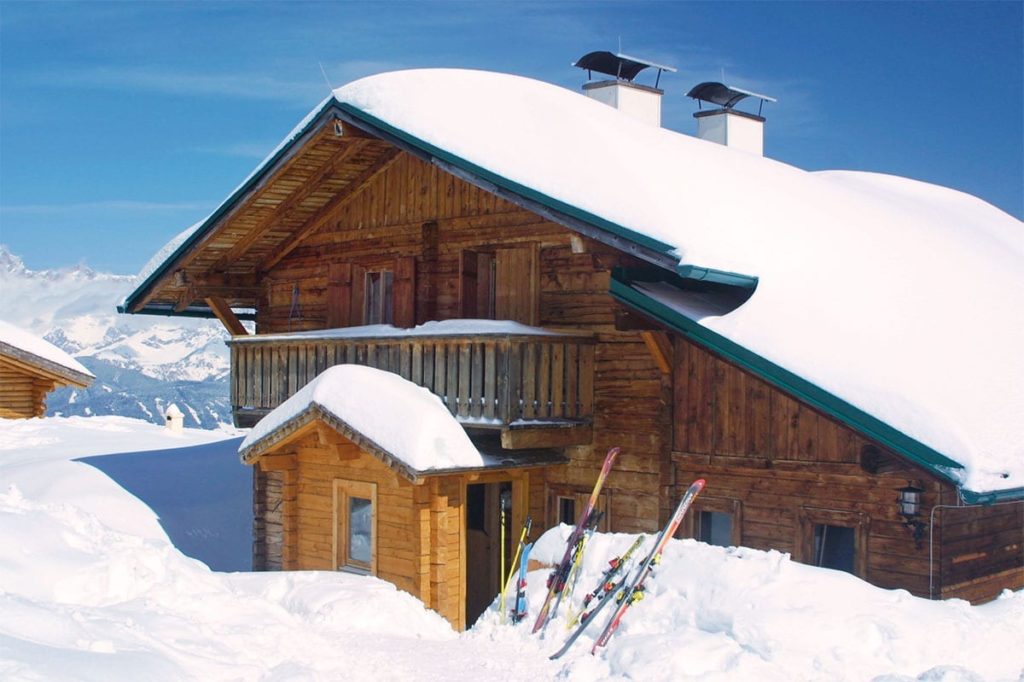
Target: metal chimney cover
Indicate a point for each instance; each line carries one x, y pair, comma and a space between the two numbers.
620, 66
723, 95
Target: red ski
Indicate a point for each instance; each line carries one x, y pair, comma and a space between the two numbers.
556, 581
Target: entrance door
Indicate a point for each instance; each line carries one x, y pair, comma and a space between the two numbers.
483, 544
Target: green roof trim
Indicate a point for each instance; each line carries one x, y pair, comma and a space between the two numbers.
380, 126
732, 279
227, 205
804, 390
992, 497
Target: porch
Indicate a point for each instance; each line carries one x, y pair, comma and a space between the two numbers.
533, 385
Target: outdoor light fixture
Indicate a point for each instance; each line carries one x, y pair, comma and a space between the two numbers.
910, 509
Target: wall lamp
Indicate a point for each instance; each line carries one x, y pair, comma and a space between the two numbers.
909, 501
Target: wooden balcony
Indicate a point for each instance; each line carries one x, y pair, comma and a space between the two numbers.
535, 385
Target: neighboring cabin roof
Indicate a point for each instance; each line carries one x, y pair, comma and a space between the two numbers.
406, 426
42, 357
899, 299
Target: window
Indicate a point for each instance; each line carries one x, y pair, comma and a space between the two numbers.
834, 547
500, 284
355, 526
377, 298
714, 528
833, 538
567, 510
714, 520
566, 503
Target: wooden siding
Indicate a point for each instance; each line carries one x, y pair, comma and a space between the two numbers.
787, 466
22, 393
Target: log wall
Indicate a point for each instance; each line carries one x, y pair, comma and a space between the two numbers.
413, 210
22, 394
783, 466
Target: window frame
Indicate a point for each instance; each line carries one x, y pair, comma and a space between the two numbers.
722, 505
809, 517
579, 495
344, 491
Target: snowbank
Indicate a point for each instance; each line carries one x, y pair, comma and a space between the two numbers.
33, 345
406, 420
901, 298
90, 589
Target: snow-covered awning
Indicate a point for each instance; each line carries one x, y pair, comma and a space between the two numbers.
42, 356
404, 425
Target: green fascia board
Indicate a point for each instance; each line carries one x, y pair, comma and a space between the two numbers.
993, 496
732, 279
804, 390
379, 126
226, 206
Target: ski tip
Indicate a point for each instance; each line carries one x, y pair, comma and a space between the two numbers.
699, 483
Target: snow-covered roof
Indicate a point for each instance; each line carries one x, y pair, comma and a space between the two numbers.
28, 348
901, 300
390, 414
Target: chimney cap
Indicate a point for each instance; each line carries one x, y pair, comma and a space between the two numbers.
622, 66
723, 95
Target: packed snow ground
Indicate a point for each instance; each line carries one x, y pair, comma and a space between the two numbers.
92, 589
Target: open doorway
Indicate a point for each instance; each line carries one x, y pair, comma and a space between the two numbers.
483, 544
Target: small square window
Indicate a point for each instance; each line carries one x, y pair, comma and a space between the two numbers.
714, 528
834, 547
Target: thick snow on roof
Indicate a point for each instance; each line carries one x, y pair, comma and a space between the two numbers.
406, 420
902, 298
33, 345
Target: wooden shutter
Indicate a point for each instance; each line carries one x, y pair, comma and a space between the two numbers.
515, 295
404, 292
358, 296
339, 295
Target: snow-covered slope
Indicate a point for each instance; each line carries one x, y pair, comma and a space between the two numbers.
91, 589
141, 363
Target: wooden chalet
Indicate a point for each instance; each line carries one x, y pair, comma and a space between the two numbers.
29, 369
358, 236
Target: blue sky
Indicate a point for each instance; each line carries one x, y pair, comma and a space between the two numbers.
122, 124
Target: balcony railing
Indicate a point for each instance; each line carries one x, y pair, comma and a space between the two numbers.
487, 373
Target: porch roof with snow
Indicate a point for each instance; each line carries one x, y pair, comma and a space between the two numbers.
403, 425
38, 356
892, 305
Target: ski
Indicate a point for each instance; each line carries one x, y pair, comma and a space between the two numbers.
616, 566
556, 581
519, 610
512, 570
574, 570
633, 591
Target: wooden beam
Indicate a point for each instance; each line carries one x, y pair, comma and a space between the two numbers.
185, 299
320, 218
660, 348
329, 169
276, 463
226, 316
282, 166
546, 437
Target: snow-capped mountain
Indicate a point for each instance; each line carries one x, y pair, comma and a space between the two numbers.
142, 363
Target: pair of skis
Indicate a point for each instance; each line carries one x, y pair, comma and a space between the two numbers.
522, 556
630, 588
558, 578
